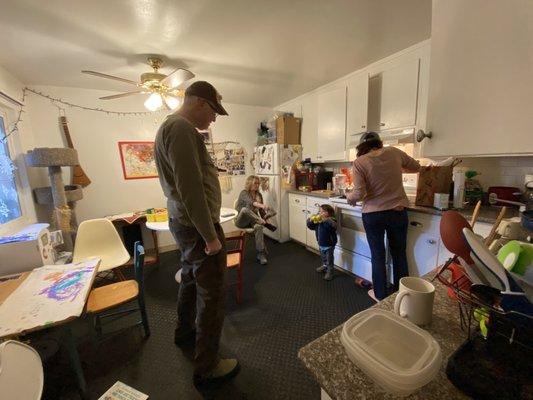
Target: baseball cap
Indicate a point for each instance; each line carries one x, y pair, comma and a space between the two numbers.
207, 92
368, 136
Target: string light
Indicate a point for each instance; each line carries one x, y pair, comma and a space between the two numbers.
97, 109
14, 127
55, 101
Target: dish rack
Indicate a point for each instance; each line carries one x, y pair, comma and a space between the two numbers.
493, 363
516, 327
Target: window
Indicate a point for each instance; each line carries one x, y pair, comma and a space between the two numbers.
9, 199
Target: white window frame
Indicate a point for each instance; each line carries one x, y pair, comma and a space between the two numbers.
9, 113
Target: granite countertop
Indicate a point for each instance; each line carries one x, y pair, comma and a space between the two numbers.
487, 214
327, 361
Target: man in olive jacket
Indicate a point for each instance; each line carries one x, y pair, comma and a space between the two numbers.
189, 180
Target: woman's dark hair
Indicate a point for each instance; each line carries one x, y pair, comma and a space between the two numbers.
327, 208
365, 147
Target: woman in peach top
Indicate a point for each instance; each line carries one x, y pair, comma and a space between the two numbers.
377, 176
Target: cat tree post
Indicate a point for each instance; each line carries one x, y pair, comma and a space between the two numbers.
54, 159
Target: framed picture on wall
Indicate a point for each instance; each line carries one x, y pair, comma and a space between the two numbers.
138, 160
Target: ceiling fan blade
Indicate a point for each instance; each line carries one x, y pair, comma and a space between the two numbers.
177, 77
116, 78
118, 96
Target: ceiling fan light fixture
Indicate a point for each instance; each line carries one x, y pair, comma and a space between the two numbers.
172, 102
154, 102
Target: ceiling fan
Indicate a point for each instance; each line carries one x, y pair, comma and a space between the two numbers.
164, 89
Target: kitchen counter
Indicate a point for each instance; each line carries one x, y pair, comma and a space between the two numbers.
313, 194
487, 214
327, 361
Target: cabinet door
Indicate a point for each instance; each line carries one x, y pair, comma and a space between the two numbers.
481, 69
399, 94
331, 138
313, 206
297, 223
423, 240
422, 252
309, 126
356, 104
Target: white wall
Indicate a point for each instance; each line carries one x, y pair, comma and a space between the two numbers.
95, 136
18, 143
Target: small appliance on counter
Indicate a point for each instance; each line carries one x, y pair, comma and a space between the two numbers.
504, 194
316, 179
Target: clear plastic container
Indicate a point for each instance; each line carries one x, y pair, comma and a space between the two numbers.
399, 347
384, 346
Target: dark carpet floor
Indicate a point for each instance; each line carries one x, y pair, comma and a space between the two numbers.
286, 305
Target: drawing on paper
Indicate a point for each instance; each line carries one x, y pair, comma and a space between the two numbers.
138, 160
66, 286
48, 295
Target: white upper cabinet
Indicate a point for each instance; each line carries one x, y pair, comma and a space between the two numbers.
309, 126
331, 138
357, 104
481, 74
394, 96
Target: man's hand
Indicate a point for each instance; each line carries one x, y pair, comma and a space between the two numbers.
213, 247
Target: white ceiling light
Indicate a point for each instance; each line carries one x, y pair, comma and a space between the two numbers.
153, 102
172, 102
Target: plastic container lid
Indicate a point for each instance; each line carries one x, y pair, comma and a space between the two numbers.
396, 354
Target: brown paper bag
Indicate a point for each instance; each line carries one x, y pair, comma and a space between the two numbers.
431, 181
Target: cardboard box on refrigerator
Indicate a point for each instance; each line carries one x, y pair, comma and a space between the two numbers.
288, 130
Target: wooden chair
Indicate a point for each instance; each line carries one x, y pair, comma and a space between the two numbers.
106, 297
235, 257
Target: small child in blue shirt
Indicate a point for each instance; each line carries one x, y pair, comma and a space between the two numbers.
325, 227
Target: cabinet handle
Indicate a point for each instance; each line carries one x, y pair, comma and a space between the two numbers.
317, 205
363, 126
432, 241
297, 201
414, 223
382, 124
421, 135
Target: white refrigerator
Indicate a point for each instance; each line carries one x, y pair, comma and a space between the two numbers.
273, 164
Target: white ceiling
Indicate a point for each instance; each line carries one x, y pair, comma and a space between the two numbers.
255, 52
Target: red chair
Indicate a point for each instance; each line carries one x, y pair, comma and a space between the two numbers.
235, 257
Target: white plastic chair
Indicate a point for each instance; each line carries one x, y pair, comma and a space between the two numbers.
21, 372
99, 238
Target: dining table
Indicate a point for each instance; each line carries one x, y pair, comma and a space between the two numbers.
226, 215
48, 297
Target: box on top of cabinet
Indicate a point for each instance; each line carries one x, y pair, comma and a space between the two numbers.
288, 130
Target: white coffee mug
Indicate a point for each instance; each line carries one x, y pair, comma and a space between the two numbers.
415, 300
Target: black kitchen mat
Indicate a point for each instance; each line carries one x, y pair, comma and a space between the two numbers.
286, 305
